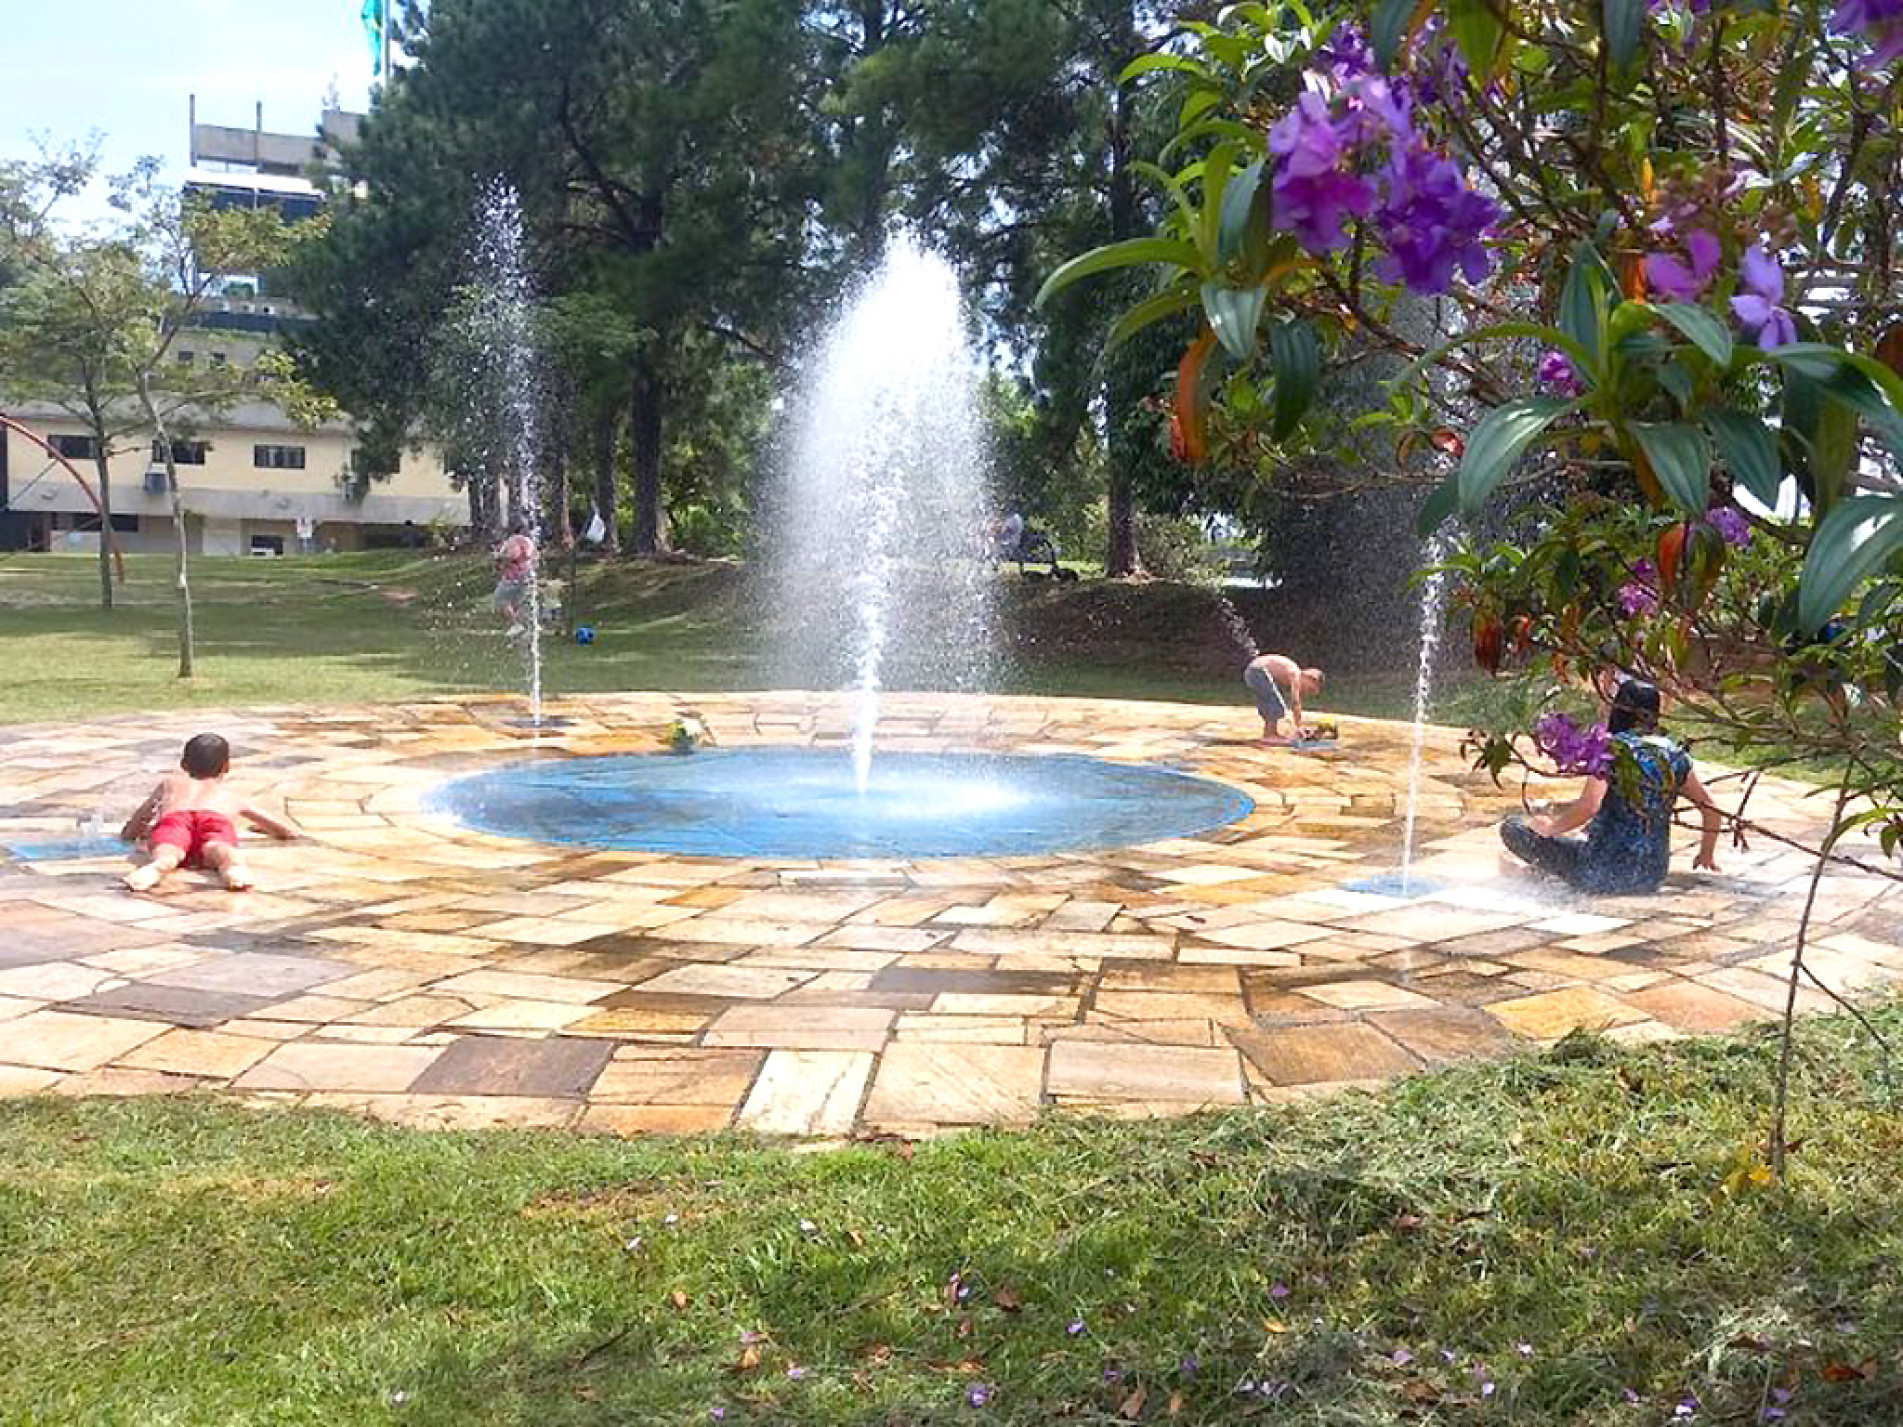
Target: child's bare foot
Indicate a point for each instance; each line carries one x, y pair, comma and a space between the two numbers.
144, 879
237, 877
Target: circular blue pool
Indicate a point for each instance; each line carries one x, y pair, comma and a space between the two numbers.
785, 802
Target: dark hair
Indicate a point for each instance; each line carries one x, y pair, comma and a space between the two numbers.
206, 756
1634, 706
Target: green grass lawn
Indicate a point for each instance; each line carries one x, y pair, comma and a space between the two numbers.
350, 628
1543, 1241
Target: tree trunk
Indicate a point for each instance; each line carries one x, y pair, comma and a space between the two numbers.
607, 478
562, 528
1122, 558
105, 519
482, 507
186, 641
644, 436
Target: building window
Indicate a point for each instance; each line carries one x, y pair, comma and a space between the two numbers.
185, 356
217, 359
278, 458
184, 453
76, 448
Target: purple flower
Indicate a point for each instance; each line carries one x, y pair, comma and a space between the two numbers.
1431, 222
1401, 1357
1312, 193
1670, 276
1878, 21
796, 1373
1556, 370
1573, 749
1278, 1290
1076, 1326
1731, 524
1757, 307
978, 1394
1637, 600
1688, 1407
1190, 1365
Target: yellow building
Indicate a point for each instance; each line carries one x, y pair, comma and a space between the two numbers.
252, 484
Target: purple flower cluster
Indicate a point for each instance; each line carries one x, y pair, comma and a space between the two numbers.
1731, 524
1349, 149
1637, 599
1878, 21
1556, 371
1681, 281
1573, 749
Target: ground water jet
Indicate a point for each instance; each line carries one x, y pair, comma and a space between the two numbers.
1433, 604
884, 499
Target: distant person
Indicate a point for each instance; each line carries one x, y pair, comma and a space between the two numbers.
191, 818
1278, 684
1013, 540
515, 569
306, 534
1627, 847
412, 536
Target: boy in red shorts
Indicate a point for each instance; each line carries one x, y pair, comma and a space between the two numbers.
191, 820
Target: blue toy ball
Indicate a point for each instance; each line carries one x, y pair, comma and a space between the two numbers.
585, 634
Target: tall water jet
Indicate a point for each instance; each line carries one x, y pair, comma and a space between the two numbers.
499, 323
1433, 603
882, 564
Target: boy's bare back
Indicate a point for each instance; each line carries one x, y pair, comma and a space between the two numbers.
181, 793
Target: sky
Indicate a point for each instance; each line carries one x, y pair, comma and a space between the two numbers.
126, 69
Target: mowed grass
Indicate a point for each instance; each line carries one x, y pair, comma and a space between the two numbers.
1547, 1240
390, 626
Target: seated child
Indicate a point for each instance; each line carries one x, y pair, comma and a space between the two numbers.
190, 820
1627, 847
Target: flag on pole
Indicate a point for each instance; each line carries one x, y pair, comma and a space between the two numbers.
597, 530
375, 17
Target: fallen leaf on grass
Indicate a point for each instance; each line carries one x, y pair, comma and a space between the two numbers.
1007, 1299
878, 1353
1274, 1325
965, 1326
749, 1359
1408, 1221
1175, 1407
1132, 1408
679, 1300
1850, 1372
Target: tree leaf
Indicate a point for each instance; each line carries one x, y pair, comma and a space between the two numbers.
1151, 310
1150, 63
1499, 440
1390, 26
1681, 459
1585, 300
1441, 502
1623, 22
1296, 357
1234, 313
1238, 203
1216, 170
1854, 542
1478, 31
1131, 252
1749, 452
1702, 328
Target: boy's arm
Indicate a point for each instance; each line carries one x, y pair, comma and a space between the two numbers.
140, 823
1714, 822
281, 828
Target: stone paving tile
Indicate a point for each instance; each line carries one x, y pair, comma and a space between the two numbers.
1109, 1071
253, 973
1300, 1055
212, 1054
60, 1040
526, 985
1692, 1007
796, 1027
452, 1112
313, 1065
561, 1067
1444, 1034
1363, 995
1553, 1014
729, 982
807, 1092
642, 1076
948, 1084
600, 1119
21, 1080
112, 1080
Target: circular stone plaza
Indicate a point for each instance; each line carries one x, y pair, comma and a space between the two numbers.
402, 964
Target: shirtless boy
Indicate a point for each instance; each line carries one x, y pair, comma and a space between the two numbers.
1267, 678
190, 820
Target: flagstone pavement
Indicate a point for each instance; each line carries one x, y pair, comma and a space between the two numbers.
401, 966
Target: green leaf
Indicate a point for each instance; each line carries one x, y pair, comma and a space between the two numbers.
1216, 170
1749, 452
1584, 301
1854, 542
1296, 356
1623, 22
1131, 252
1148, 313
1391, 20
1442, 502
1478, 31
1238, 203
1499, 440
1149, 64
1680, 458
1234, 313
1582, 359
1702, 328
